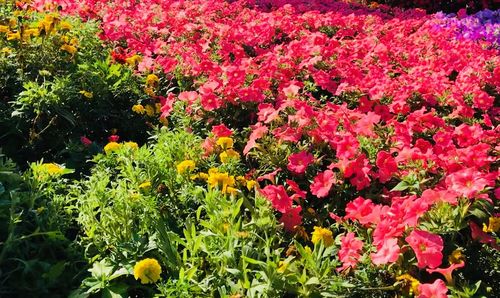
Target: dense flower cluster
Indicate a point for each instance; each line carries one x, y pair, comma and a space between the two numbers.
389, 104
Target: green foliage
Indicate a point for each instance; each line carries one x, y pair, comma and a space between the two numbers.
37, 252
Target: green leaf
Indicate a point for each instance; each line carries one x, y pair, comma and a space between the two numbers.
253, 261
403, 185
313, 281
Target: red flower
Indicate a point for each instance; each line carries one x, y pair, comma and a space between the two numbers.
278, 197
221, 131
323, 183
298, 162
427, 248
386, 166
113, 138
291, 218
437, 289
85, 141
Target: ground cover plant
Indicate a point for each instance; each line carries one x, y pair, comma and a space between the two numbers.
250, 148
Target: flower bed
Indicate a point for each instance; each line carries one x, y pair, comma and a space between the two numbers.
360, 142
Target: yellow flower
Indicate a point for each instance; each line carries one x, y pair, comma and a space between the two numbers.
145, 185
4, 29
409, 281
53, 169
139, 109
28, 33
65, 25
152, 80
322, 234
186, 165
282, 267
69, 48
131, 145
229, 154
251, 184
111, 147
493, 225
133, 60
225, 142
14, 35
87, 94
148, 270
456, 257
231, 190
150, 110
221, 181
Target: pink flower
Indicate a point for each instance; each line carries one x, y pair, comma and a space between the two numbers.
258, 132
361, 210
387, 253
437, 289
349, 252
291, 218
298, 162
278, 197
427, 247
447, 272
467, 182
322, 183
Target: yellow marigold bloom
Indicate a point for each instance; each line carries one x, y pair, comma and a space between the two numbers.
186, 165
322, 234
150, 110
131, 145
251, 184
152, 80
203, 176
493, 225
53, 169
409, 281
220, 181
69, 48
133, 60
147, 270
65, 25
225, 142
456, 257
4, 29
231, 190
28, 33
87, 94
139, 109
229, 154
145, 185
111, 147
241, 179
14, 35
242, 234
